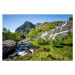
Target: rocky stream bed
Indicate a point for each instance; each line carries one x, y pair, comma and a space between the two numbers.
11, 49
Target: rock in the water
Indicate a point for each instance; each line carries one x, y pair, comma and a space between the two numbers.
13, 55
31, 50
26, 48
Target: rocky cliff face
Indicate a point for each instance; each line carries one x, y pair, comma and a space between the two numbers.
63, 28
25, 28
9, 47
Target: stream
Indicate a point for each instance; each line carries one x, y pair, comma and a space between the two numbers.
21, 50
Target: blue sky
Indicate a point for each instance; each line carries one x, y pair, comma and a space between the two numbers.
12, 21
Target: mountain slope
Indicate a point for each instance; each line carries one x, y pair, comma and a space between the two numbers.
25, 28
42, 28
52, 29
52, 41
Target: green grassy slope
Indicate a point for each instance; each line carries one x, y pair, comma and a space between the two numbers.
50, 50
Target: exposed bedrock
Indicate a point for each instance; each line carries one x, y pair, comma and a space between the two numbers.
63, 29
9, 47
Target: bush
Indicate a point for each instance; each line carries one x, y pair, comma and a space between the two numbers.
69, 39
20, 43
58, 39
41, 49
52, 43
71, 18
41, 41
14, 36
47, 37
23, 58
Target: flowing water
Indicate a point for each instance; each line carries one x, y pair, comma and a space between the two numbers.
21, 50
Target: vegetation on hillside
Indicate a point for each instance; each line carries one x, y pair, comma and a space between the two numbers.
37, 32
61, 48
25, 28
51, 50
6, 35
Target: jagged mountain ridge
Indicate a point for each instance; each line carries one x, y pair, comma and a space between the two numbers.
25, 28
60, 26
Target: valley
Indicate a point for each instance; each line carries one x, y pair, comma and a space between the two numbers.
48, 41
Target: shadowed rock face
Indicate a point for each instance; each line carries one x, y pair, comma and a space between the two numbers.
63, 29
25, 28
9, 47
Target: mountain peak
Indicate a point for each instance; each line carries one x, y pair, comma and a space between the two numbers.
25, 28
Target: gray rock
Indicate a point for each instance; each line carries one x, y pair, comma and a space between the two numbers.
13, 55
9, 47
63, 28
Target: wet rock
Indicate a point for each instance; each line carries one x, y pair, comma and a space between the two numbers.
31, 51
22, 53
26, 48
13, 55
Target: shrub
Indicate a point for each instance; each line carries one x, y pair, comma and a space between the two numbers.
69, 39
39, 50
52, 43
41, 41
14, 36
47, 37
58, 39
20, 43
71, 18
23, 58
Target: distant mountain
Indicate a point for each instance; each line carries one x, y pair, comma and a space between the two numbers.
25, 28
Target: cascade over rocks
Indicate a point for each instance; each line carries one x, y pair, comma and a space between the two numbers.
63, 29
26, 48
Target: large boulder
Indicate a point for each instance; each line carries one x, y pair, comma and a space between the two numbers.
9, 47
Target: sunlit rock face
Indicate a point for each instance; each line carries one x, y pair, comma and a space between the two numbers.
63, 29
25, 28
9, 42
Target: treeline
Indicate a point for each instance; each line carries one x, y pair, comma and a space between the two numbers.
7, 34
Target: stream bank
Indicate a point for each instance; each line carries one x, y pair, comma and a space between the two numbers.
20, 50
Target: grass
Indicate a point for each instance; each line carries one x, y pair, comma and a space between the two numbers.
34, 43
48, 53
57, 50
37, 31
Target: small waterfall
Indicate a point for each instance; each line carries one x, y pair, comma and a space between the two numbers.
63, 32
64, 24
56, 31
